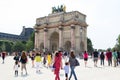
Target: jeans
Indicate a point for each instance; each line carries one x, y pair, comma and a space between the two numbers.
110, 62
102, 62
72, 72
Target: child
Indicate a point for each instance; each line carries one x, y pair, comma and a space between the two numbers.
49, 59
66, 68
38, 60
16, 66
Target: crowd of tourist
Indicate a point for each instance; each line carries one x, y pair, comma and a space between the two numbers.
54, 61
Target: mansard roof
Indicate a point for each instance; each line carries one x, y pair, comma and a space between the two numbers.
24, 36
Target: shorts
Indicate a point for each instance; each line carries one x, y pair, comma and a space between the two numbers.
85, 59
95, 59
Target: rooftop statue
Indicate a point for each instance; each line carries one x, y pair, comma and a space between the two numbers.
59, 9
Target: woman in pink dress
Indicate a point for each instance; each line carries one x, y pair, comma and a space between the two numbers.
57, 64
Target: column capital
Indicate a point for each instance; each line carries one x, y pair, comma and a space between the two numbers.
72, 26
36, 31
45, 29
60, 28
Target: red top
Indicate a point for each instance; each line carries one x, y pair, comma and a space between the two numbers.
109, 55
3, 54
85, 55
57, 62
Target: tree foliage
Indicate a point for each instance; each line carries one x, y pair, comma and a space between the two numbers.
117, 46
30, 42
29, 45
10, 46
18, 46
6, 45
89, 46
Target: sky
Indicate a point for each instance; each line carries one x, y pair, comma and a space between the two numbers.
103, 17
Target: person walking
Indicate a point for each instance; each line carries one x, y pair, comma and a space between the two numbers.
72, 61
118, 58
95, 57
32, 56
23, 61
44, 60
66, 69
3, 56
109, 57
85, 56
16, 66
114, 55
49, 60
57, 64
16, 57
102, 58
38, 61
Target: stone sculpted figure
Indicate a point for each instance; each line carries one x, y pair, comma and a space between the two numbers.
64, 8
59, 9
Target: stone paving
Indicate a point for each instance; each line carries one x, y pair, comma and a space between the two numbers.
83, 73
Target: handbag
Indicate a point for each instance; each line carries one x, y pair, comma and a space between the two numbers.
77, 62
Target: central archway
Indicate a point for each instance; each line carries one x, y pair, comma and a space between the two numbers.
54, 41
67, 46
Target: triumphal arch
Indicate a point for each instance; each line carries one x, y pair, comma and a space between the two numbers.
61, 30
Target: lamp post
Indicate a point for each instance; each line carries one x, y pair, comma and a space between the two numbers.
81, 46
116, 43
81, 30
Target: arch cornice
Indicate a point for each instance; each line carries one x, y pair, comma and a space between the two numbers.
65, 24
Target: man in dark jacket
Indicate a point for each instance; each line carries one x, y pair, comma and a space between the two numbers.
95, 57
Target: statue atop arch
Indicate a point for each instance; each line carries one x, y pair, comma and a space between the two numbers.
59, 9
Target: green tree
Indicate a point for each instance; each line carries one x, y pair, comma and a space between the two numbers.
18, 46
117, 46
3, 47
30, 42
89, 46
29, 45
32, 36
8, 46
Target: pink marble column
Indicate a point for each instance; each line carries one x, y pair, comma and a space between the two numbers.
72, 37
60, 36
45, 37
36, 39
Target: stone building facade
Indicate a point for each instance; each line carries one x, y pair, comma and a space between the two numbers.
63, 30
